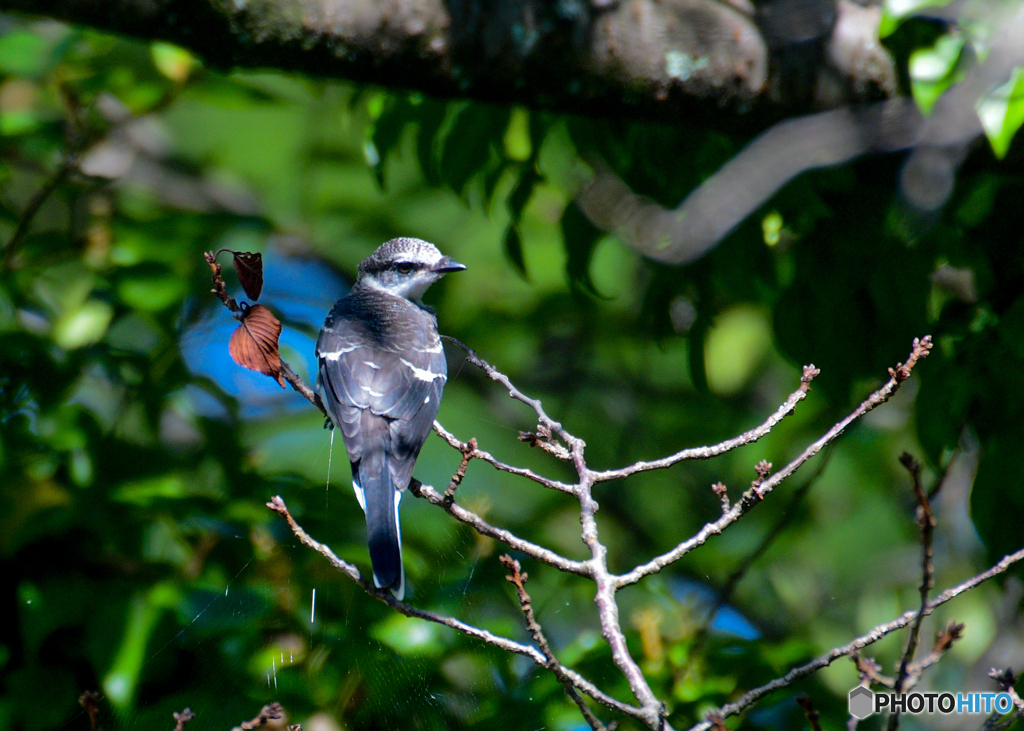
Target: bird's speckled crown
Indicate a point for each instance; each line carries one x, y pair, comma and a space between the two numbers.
401, 249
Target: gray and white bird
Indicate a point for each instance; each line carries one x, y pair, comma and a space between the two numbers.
382, 373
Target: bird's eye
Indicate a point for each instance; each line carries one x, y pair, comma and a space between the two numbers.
404, 267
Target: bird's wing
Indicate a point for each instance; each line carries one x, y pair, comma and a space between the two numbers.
400, 382
342, 374
412, 413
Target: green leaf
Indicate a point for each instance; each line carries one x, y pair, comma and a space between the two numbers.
735, 346
23, 53
1002, 112
513, 244
894, 12
696, 339
523, 191
84, 326
941, 406
491, 179
432, 115
408, 636
18, 122
997, 502
517, 143
387, 132
477, 129
144, 612
172, 61
145, 491
540, 125
152, 289
581, 237
932, 70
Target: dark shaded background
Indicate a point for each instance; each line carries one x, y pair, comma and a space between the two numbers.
138, 557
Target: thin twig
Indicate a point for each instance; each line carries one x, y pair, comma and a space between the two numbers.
487, 457
715, 450
722, 492
1006, 680
785, 517
755, 495
28, 215
272, 713
937, 487
183, 717
384, 596
220, 290
943, 641
302, 388
715, 721
89, 700
78, 139
518, 578
460, 473
926, 520
804, 701
882, 630
75, 142
653, 709
870, 672
492, 373
579, 568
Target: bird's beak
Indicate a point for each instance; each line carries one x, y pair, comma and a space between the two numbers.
447, 264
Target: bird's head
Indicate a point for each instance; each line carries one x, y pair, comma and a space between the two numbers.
405, 268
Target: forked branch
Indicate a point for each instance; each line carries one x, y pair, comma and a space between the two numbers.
802, 671
554, 438
518, 578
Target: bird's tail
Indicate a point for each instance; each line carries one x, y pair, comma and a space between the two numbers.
384, 534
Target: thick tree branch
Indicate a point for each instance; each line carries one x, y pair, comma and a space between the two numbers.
646, 58
635, 57
652, 710
939, 141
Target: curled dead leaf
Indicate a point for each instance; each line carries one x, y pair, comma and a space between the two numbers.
254, 345
249, 267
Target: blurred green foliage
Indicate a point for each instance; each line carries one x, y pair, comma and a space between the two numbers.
139, 558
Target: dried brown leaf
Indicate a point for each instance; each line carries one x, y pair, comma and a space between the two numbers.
254, 344
249, 267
